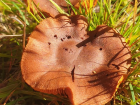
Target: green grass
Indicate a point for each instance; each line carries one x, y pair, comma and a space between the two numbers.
17, 22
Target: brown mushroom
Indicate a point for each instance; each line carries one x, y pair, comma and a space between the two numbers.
47, 7
61, 58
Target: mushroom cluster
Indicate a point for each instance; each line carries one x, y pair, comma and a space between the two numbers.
62, 57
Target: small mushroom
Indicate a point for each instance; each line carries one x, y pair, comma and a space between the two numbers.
88, 75
48, 8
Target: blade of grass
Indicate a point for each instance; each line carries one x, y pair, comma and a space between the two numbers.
7, 98
5, 5
58, 8
29, 11
132, 92
100, 15
39, 11
122, 10
127, 22
109, 14
22, 14
24, 32
117, 7
14, 102
5, 55
73, 8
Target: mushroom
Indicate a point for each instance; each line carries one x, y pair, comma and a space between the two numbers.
61, 57
47, 7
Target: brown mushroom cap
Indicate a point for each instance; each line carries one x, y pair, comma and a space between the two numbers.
60, 58
47, 7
